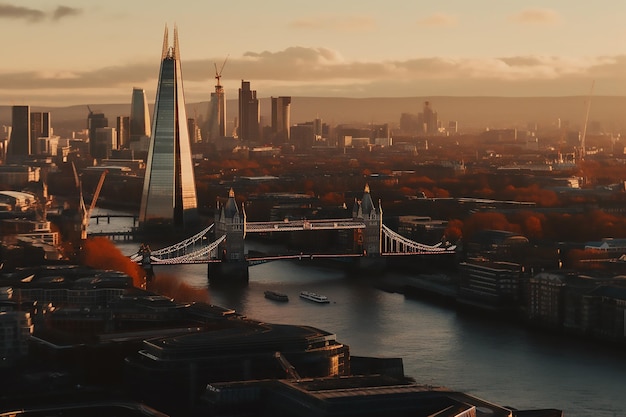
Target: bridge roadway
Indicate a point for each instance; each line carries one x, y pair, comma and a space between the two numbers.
294, 225
195, 249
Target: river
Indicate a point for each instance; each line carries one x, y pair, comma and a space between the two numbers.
491, 359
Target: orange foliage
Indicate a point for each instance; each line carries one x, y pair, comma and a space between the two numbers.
440, 192
407, 191
533, 193
489, 221
581, 259
333, 198
171, 286
454, 231
101, 253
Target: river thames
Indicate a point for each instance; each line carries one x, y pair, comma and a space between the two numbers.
491, 359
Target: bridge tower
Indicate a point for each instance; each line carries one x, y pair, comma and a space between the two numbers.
370, 238
233, 268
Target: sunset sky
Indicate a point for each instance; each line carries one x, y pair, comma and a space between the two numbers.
85, 51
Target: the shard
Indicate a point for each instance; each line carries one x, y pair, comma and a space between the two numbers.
169, 193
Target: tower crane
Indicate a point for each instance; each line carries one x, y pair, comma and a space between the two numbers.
584, 135
85, 212
218, 74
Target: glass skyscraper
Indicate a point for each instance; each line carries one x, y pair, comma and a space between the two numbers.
139, 115
169, 193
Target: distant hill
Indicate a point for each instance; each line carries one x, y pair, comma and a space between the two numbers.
469, 112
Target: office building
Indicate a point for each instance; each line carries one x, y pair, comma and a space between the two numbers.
123, 132
39, 128
139, 115
19, 141
95, 121
194, 131
429, 119
249, 114
105, 141
169, 193
281, 113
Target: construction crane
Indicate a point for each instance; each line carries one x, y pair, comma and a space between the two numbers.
85, 212
218, 75
584, 135
217, 114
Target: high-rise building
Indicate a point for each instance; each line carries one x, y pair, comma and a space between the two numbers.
430, 119
216, 122
139, 115
281, 118
169, 193
94, 121
123, 132
194, 131
105, 141
249, 114
39, 128
19, 141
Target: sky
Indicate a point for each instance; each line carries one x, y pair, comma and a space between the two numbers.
85, 51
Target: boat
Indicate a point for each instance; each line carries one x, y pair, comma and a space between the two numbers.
276, 296
307, 295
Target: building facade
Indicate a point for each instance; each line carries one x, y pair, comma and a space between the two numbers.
95, 121
19, 147
123, 132
281, 118
249, 114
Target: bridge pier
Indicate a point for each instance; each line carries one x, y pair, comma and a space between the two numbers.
228, 273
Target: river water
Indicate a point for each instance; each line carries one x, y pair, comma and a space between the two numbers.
490, 359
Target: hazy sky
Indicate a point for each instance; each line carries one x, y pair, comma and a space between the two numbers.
88, 51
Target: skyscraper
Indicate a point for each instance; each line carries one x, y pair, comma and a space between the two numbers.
19, 141
105, 141
123, 132
216, 122
249, 114
139, 115
169, 193
281, 118
94, 121
39, 128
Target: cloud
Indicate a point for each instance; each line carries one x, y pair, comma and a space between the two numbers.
9, 11
536, 16
324, 72
335, 23
64, 11
438, 19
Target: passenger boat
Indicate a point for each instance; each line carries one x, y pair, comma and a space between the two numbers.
307, 295
276, 296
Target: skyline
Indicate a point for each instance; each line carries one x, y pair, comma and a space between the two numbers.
81, 53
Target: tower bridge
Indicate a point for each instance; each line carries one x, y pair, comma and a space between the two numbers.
221, 245
169, 200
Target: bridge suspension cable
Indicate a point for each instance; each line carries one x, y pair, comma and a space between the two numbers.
396, 244
193, 247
